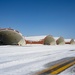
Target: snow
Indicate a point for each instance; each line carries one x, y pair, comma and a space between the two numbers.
29, 59
38, 38
67, 40
35, 38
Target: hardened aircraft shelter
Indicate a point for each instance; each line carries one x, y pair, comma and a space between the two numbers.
59, 40
49, 40
11, 37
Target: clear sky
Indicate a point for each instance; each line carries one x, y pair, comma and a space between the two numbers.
39, 17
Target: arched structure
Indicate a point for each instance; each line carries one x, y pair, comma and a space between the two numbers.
11, 37
49, 40
72, 41
69, 41
60, 41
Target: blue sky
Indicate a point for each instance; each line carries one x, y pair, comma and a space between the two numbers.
39, 17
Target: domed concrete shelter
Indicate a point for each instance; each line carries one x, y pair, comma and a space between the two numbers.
11, 37
49, 40
72, 41
60, 41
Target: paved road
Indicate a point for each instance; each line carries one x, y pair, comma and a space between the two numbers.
58, 66
30, 60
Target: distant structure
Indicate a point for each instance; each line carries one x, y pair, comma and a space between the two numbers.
10, 36
69, 41
49, 40
46, 40
59, 40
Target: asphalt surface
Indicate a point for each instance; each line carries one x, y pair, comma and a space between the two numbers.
58, 66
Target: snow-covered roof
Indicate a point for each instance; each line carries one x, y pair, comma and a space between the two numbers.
67, 40
35, 38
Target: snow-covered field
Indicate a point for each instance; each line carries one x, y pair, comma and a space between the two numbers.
29, 59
